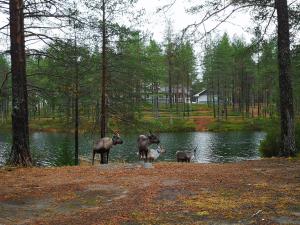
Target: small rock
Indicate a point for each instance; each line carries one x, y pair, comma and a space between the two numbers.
148, 165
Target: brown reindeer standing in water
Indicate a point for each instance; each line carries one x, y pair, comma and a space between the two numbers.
104, 145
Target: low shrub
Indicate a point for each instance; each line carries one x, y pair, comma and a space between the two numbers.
271, 145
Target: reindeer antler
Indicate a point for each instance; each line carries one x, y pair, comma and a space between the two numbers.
116, 132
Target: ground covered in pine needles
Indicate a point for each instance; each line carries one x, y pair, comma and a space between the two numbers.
253, 192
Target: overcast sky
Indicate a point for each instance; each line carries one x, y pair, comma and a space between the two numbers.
237, 25
156, 23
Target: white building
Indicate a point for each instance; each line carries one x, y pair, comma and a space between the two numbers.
179, 95
200, 98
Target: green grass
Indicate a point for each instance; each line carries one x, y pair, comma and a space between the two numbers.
163, 124
237, 124
145, 121
157, 125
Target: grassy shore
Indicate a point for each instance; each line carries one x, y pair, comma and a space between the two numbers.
253, 192
163, 124
240, 124
200, 119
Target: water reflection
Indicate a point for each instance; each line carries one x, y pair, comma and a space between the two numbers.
228, 147
56, 149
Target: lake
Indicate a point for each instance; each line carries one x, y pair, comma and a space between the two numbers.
57, 149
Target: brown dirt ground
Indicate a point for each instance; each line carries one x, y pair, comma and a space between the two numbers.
253, 192
202, 122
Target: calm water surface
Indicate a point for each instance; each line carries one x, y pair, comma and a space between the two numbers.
57, 149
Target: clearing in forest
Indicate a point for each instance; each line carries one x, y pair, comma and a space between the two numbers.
252, 192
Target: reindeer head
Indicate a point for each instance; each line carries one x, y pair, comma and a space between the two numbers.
153, 139
161, 149
116, 139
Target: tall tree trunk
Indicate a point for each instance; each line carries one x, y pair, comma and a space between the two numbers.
170, 69
183, 97
76, 103
104, 74
213, 98
76, 122
97, 112
258, 104
5, 97
177, 97
233, 94
218, 101
188, 97
247, 96
20, 152
285, 83
242, 93
156, 100
225, 101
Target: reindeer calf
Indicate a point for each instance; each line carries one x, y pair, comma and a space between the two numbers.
184, 156
153, 154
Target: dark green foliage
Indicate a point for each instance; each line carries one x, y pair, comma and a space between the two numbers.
271, 145
136, 76
229, 75
246, 78
4, 91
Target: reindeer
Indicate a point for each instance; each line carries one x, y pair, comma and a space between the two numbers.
153, 154
186, 156
104, 145
143, 144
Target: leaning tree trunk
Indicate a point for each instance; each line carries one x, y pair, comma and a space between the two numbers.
20, 153
285, 84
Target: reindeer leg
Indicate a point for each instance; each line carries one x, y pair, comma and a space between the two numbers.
93, 157
101, 158
104, 157
107, 156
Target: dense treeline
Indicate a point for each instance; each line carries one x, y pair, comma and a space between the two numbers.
138, 72
92, 67
243, 78
95, 68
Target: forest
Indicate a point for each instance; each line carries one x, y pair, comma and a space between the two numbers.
85, 66
243, 76
130, 112
138, 70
